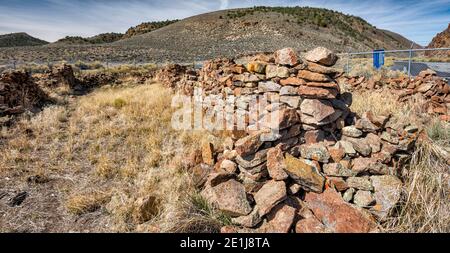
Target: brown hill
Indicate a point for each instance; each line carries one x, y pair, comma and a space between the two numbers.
229, 32
441, 40
20, 40
226, 33
146, 28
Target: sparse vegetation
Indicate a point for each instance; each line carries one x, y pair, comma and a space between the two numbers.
424, 207
102, 153
20, 40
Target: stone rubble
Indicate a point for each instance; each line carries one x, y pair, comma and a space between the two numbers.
433, 89
325, 170
19, 93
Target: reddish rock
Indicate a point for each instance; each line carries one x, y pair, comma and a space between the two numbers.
337, 170
337, 215
280, 119
387, 194
314, 67
318, 112
331, 85
208, 153
338, 183
229, 197
317, 92
426, 73
360, 183
322, 56
249, 221
313, 77
374, 142
309, 226
228, 230
378, 120
249, 145
280, 220
200, 174
366, 125
305, 173
286, 56
294, 81
252, 161
257, 66
270, 195
228, 166
314, 136
276, 164
336, 153
317, 152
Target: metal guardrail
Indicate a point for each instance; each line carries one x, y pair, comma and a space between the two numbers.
409, 51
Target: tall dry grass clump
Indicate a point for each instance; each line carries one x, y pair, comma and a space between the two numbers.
105, 153
425, 205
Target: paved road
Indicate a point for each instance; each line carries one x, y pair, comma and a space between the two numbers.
442, 68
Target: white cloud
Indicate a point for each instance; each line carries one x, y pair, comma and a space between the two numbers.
224, 4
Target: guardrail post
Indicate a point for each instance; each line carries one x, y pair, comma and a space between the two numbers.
409, 60
348, 62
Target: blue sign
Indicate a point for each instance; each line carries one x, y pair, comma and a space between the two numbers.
378, 58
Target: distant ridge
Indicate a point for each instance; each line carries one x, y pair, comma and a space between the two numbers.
439, 41
20, 40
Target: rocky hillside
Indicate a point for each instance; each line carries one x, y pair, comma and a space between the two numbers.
230, 32
98, 39
227, 33
20, 40
441, 40
146, 28
113, 37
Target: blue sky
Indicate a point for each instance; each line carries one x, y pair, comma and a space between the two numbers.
54, 19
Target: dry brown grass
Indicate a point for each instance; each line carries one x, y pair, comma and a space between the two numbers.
425, 205
81, 203
117, 143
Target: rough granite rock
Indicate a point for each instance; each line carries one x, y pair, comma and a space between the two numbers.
317, 92
248, 221
229, 197
249, 144
318, 112
314, 77
360, 183
271, 194
363, 198
252, 161
352, 131
294, 81
317, 152
337, 215
310, 226
286, 56
322, 56
276, 71
337, 170
208, 153
276, 165
280, 219
305, 173
387, 194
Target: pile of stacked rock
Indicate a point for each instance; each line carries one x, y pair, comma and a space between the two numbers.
180, 78
433, 89
19, 93
323, 170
